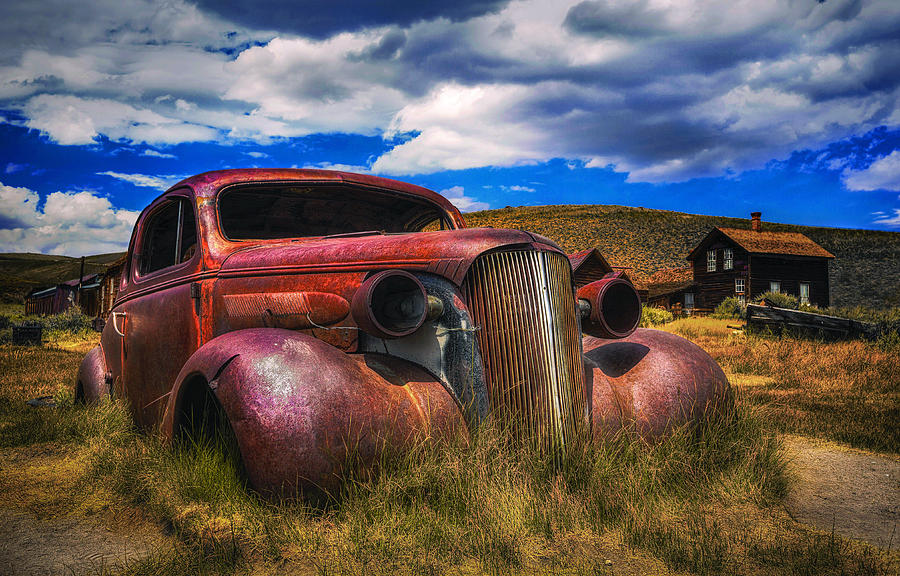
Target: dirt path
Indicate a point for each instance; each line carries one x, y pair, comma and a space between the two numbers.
855, 493
31, 547
50, 523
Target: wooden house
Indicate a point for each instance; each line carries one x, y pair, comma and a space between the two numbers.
108, 290
672, 289
57, 299
95, 293
52, 300
747, 263
589, 266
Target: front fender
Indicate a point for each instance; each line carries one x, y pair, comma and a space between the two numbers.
90, 384
655, 381
301, 409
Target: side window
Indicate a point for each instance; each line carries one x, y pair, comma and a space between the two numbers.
170, 237
711, 261
804, 292
728, 255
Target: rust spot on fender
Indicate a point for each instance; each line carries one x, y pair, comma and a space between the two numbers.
290, 310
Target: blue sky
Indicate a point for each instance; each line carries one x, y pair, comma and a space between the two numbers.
790, 108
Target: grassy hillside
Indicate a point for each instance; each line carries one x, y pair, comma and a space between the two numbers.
866, 269
22, 272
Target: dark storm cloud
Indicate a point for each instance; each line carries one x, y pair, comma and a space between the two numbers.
317, 19
11, 223
603, 18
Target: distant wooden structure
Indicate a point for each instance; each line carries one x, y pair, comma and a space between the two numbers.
589, 266
747, 263
109, 281
53, 300
95, 293
672, 289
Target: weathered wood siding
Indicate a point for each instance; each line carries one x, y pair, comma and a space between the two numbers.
791, 271
713, 287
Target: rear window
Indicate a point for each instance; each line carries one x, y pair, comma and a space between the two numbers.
268, 212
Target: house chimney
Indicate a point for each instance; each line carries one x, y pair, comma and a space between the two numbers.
755, 221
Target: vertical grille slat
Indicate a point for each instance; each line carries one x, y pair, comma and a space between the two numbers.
530, 343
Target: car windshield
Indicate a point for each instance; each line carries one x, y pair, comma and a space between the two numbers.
267, 212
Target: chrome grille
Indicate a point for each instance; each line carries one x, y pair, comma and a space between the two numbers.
530, 343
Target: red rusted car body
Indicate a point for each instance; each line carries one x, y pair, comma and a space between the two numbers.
326, 313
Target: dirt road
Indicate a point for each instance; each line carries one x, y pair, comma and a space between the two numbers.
855, 493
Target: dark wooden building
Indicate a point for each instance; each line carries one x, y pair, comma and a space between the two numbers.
672, 289
589, 266
52, 300
57, 299
95, 293
747, 263
109, 283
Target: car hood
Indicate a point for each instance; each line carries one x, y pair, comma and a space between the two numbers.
448, 253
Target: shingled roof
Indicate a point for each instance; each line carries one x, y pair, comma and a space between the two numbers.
787, 243
764, 242
668, 280
588, 266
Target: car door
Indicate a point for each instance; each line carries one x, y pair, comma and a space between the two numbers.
161, 324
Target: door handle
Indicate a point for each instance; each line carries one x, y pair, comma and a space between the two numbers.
116, 326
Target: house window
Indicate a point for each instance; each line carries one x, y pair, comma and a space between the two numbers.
711, 261
775, 286
804, 292
738, 285
688, 301
728, 255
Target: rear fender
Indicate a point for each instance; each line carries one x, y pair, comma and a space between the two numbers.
91, 384
301, 408
653, 380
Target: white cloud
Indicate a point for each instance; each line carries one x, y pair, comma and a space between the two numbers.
71, 223
307, 86
340, 167
142, 180
887, 219
882, 174
74, 120
456, 195
518, 188
157, 154
464, 127
18, 206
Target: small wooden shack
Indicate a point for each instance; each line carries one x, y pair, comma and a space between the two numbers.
672, 289
53, 300
95, 293
109, 281
589, 266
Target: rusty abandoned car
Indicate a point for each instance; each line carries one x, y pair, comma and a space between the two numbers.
320, 312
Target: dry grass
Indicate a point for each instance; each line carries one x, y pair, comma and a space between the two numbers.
843, 391
704, 501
